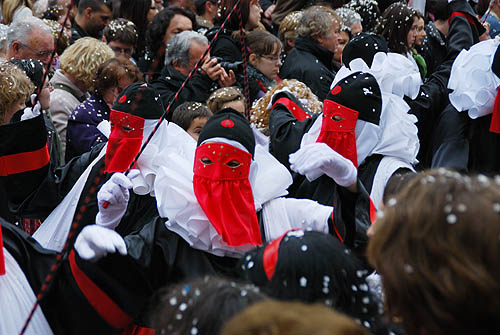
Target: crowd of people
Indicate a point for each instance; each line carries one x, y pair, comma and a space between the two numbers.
249, 167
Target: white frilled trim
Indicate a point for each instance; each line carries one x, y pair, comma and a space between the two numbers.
151, 159
399, 136
17, 298
394, 73
176, 200
473, 82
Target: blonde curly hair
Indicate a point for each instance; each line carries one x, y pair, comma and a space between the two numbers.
261, 109
83, 58
14, 86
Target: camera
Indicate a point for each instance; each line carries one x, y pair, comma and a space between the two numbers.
237, 67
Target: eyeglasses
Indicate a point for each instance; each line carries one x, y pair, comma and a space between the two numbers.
44, 53
273, 59
126, 51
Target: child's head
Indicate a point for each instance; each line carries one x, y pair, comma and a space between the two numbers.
121, 36
191, 116
265, 51
227, 97
15, 89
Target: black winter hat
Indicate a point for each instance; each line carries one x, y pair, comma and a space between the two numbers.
364, 46
360, 92
140, 99
230, 124
33, 69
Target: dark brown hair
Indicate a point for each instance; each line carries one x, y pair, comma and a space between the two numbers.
110, 73
262, 42
396, 23
437, 249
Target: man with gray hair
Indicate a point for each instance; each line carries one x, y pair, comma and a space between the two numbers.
182, 53
30, 38
311, 61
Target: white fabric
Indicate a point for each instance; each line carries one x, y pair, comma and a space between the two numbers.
282, 214
54, 230
31, 112
94, 242
104, 127
260, 138
176, 200
385, 170
394, 73
16, 301
473, 82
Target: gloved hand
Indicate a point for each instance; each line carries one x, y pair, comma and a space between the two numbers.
32, 112
112, 199
95, 242
316, 159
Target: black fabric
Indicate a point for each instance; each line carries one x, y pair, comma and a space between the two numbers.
364, 46
197, 89
229, 124
367, 170
360, 92
33, 69
77, 32
140, 99
433, 48
495, 66
433, 95
311, 64
225, 46
484, 147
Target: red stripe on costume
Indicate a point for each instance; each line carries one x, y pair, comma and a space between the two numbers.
467, 16
98, 299
373, 212
495, 117
2, 260
24, 162
298, 112
335, 228
138, 330
270, 256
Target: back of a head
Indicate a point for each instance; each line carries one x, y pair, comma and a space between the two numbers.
436, 246
291, 318
201, 306
121, 30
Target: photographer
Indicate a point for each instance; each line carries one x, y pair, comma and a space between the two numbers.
183, 52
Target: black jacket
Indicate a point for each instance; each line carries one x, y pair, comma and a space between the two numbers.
311, 64
225, 46
198, 88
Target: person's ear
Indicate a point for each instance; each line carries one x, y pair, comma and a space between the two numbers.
88, 12
252, 59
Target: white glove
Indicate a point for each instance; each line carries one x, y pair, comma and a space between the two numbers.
113, 198
32, 112
316, 159
95, 242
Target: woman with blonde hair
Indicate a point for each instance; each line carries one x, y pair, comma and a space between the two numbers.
15, 89
15, 9
75, 78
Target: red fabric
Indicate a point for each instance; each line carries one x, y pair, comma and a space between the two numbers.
2, 260
30, 225
98, 299
373, 212
467, 16
495, 117
341, 239
138, 330
24, 162
224, 193
270, 256
339, 135
298, 112
124, 141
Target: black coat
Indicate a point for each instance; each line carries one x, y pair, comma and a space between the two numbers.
197, 89
311, 64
